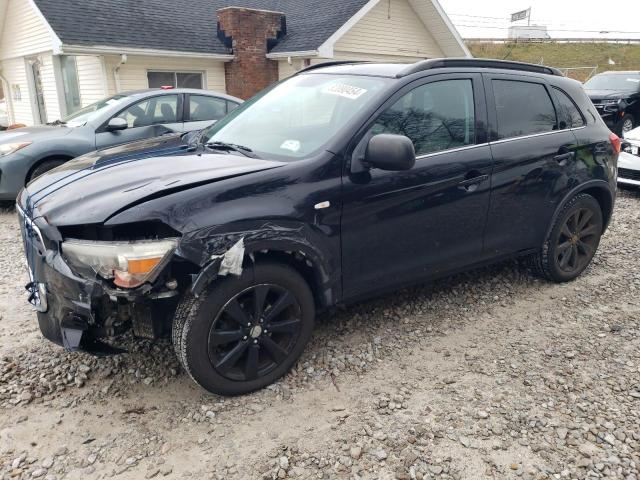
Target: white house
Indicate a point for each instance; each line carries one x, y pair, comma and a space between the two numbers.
59, 55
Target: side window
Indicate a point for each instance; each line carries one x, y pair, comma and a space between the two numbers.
437, 116
153, 111
568, 110
231, 106
523, 108
203, 108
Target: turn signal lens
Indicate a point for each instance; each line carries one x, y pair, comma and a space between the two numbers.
142, 265
616, 143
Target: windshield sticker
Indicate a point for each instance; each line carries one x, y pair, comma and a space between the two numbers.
346, 91
293, 145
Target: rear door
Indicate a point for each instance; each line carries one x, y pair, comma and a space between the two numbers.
204, 110
399, 227
534, 152
148, 118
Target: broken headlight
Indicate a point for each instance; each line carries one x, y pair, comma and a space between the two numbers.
128, 264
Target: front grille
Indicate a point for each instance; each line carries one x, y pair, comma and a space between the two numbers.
629, 174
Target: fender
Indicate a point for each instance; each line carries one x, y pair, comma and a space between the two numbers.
207, 248
601, 185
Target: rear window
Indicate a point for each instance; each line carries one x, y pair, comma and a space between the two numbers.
523, 108
569, 113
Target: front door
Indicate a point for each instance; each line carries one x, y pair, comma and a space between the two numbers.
148, 118
399, 227
38, 105
534, 150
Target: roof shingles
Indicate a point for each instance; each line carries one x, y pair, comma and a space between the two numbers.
192, 27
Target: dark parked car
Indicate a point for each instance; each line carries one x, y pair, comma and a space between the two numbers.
616, 96
335, 185
26, 153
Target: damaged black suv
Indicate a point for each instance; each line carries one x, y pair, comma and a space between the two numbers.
342, 182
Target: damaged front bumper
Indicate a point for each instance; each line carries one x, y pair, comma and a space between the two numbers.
75, 312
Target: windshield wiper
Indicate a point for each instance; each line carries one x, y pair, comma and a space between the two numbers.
246, 151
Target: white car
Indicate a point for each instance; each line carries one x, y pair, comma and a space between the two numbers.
4, 118
629, 160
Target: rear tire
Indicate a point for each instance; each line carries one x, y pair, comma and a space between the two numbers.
243, 333
44, 167
572, 241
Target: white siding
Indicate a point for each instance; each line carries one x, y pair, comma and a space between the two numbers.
393, 30
133, 74
285, 70
90, 79
15, 72
438, 28
49, 90
372, 57
24, 32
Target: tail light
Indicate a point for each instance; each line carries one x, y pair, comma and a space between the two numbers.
166, 87
616, 143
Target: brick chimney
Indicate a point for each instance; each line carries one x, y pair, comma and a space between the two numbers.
250, 33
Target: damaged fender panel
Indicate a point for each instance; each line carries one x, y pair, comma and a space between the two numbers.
222, 254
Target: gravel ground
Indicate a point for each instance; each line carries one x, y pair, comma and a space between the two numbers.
490, 374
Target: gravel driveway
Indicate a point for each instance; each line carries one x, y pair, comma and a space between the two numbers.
490, 374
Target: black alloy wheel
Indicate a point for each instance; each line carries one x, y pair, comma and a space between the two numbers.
254, 332
572, 241
244, 332
578, 240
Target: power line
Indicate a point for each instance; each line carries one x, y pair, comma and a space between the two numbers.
550, 28
482, 19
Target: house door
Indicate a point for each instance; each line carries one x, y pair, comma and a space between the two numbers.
39, 109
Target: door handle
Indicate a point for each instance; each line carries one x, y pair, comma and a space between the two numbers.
563, 157
470, 184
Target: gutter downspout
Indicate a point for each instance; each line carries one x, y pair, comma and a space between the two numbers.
116, 71
6, 88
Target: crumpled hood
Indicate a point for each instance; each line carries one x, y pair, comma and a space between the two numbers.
33, 134
91, 188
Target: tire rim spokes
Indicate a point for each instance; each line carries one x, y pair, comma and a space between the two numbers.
577, 242
627, 126
254, 332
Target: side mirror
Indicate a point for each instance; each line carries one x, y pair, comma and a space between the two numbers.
390, 152
116, 124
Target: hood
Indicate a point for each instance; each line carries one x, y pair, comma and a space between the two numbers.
633, 135
608, 94
33, 134
94, 187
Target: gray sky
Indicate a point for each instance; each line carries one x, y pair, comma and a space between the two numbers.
564, 18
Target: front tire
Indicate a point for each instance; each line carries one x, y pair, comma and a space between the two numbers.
572, 242
625, 125
43, 168
243, 333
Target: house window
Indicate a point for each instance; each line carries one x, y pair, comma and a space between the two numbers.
175, 79
70, 85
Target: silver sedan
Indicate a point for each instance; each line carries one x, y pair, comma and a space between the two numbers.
26, 153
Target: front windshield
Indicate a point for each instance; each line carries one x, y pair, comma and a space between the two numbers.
297, 117
92, 111
619, 82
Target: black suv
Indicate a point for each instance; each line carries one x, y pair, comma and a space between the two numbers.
616, 96
342, 182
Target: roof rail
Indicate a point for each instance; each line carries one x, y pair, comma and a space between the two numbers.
332, 63
475, 63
